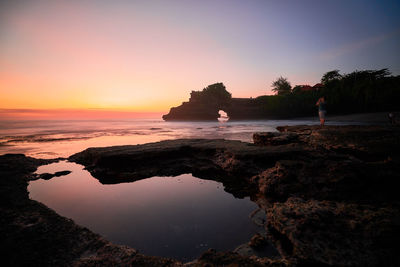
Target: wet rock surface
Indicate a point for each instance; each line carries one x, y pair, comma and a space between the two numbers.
34, 235
273, 138
329, 195
257, 241
214, 258
340, 207
48, 176
335, 233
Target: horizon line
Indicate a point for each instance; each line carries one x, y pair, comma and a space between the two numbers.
75, 113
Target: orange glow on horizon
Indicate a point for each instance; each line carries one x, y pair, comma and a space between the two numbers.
74, 114
121, 61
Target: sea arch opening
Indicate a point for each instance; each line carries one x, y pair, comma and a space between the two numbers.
222, 116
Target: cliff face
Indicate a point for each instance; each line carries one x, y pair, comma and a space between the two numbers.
205, 104
202, 105
192, 111
236, 108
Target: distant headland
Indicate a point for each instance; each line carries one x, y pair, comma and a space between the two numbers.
356, 92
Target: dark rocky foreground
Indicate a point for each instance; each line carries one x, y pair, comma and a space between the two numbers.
330, 195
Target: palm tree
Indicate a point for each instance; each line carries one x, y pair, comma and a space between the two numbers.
281, 86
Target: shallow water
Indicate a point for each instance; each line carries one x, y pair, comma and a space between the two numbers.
178, 217
62, 138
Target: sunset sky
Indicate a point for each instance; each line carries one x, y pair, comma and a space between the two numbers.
146, 56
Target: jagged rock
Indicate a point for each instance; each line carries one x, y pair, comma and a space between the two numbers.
48, 176
331, 178
16, 170
336, 233
274, 138
230, 162
258, 217
257, 241
369, 143
266, 250
330, 195
214, 258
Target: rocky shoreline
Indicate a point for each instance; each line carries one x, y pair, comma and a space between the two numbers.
329, 194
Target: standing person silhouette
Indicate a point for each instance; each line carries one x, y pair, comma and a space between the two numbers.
392, 118
321, 103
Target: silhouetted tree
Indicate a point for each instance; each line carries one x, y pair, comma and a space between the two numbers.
281, 86
297, 89
358, 91
363, 91
215, 94
331, 76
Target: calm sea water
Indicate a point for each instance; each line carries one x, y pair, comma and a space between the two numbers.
62, 138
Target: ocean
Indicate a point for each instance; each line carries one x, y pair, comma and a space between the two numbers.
62, 138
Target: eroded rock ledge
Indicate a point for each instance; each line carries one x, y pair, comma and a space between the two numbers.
330, 195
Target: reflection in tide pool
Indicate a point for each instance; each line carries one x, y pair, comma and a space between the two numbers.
178, 217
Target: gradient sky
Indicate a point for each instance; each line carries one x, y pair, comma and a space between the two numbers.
148, 55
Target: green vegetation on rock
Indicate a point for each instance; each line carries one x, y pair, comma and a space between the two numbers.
214, 94
281, 86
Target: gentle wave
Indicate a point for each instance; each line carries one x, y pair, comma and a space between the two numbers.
63, 138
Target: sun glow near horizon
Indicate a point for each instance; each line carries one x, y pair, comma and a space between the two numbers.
146, 56
108, 61
76, 114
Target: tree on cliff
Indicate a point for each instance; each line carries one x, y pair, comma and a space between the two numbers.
213, 94
362, 91
331, 76
281, 86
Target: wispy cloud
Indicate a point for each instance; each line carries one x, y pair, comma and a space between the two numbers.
357, 45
